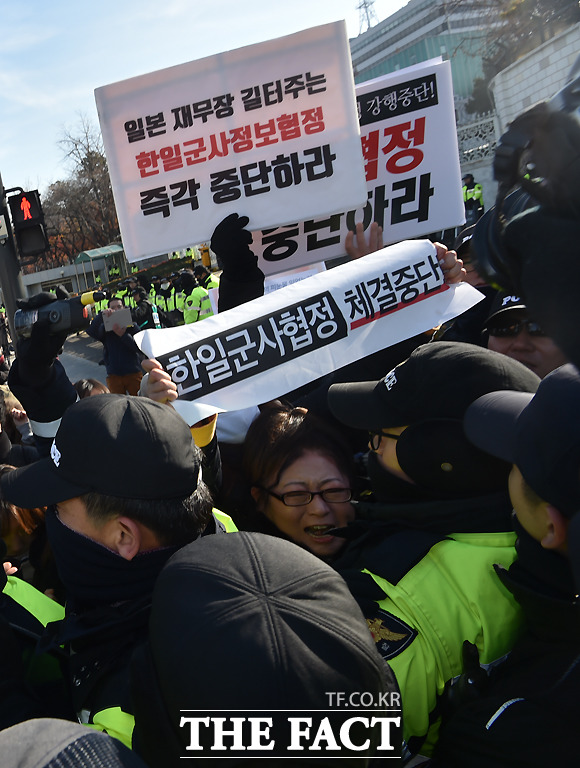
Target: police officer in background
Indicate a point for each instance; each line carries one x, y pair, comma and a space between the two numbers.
197, 305
205, 278
472, 199
146, 314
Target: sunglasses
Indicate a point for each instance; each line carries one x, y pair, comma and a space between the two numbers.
514, 329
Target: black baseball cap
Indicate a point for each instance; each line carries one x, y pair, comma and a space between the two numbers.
504, 303
438, 380
539, 433
140, 449
139, 292
463, 239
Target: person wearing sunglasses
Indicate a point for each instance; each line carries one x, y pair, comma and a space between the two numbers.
511, 332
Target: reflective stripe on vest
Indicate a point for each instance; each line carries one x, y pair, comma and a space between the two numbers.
205, 309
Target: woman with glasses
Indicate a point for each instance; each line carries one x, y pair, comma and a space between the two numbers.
301, 478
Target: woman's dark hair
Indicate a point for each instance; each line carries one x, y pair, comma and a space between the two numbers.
85, 387
280, 435
27, 519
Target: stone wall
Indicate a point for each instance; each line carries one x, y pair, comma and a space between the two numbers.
535, 77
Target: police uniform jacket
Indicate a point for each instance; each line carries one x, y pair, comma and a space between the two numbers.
424, 591
526, 712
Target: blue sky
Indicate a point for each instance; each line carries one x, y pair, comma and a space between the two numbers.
54, 53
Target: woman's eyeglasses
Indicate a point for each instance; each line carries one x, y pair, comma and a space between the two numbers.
514, 329
376, 437
301, 498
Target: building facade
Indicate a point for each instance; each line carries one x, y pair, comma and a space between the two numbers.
422, 30
536, 76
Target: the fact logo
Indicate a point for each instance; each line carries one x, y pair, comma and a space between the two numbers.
296, 733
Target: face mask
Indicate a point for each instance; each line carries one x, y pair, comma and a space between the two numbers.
165, 286
94, 575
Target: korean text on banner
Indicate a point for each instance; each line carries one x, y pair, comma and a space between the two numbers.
269, 131
272, 345
409, 143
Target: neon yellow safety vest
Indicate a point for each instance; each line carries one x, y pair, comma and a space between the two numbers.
451, 595
213, 282
160, 302
473, 193
197, 306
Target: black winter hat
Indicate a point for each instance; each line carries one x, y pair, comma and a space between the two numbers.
246, 621
139, 450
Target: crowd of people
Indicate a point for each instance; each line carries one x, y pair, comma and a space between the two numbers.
405, 527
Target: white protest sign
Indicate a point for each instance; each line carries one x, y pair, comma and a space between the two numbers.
409, 143
269, 131
282, 279
276, 343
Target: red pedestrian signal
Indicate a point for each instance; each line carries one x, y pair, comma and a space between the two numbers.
25, 208
28, 223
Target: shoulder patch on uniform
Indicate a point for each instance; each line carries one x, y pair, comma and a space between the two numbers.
390, 634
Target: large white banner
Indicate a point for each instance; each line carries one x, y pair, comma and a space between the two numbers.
269, 131
409, 143
267, 347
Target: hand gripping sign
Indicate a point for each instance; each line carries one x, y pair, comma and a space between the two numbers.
267, 347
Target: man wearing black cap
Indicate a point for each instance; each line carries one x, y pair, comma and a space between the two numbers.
112, 522
527, 713
146, 314
437, 521
511, 331
205, 278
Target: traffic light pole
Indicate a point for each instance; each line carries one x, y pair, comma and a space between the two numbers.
10, 275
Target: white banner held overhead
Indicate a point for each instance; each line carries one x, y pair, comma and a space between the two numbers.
269, 131
409, 143
272, 345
